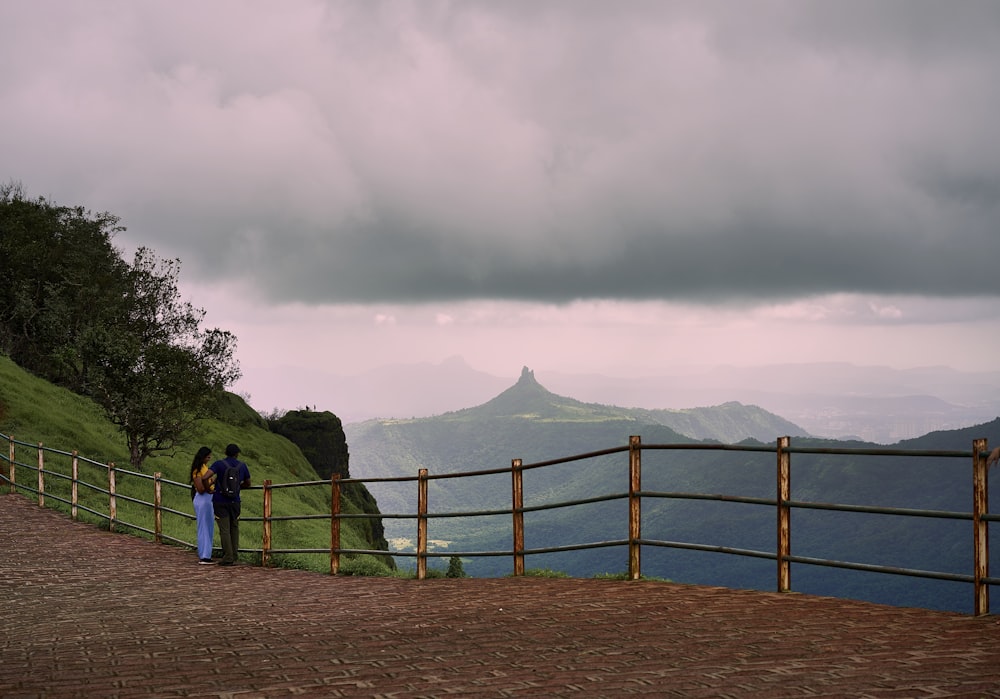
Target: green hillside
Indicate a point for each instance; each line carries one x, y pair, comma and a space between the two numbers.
528, 422
33, 410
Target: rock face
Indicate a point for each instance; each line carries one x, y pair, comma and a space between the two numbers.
320, 437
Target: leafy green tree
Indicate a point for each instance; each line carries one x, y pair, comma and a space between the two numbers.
154, 370
62, 277
455, 568
75, 313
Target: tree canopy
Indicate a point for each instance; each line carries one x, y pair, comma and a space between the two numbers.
62, 276
74, 312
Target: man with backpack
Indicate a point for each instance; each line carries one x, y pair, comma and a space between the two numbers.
231, 475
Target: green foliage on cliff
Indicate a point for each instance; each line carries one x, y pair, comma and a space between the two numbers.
320, 436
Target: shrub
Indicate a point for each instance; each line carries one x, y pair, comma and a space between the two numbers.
365, 567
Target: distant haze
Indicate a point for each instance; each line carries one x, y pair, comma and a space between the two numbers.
837, 400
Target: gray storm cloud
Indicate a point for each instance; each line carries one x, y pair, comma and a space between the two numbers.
366, 151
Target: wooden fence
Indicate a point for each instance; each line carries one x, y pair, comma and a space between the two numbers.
634, 494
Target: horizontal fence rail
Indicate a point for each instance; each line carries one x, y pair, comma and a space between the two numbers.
50, 466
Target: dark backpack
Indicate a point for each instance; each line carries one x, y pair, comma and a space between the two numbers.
229, 481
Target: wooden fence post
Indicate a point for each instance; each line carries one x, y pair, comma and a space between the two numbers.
41, 476
422, 524
517, 507
265, 546
112, 502
74, 485
634, 506
980, 532
10, 445
157, 508
784, 516
335, 524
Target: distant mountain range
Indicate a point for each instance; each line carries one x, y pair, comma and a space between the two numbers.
529, 422
837, 400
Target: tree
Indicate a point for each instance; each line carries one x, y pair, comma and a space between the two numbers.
455, 569
75, 313
152, 368
62, 276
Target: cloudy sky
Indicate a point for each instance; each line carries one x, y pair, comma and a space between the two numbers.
613, 187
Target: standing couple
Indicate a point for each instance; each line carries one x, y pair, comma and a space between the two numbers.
211, 501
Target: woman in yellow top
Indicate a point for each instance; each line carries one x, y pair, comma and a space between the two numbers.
202, 487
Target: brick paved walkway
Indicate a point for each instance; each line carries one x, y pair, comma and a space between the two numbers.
90, 613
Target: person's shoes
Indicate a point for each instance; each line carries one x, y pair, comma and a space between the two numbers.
206, 562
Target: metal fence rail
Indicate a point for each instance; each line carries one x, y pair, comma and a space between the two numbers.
109, 488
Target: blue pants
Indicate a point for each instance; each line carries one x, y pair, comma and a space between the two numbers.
205, 515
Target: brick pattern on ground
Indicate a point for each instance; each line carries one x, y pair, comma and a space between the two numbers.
90, 613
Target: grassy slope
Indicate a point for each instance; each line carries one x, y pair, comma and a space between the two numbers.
34, 411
